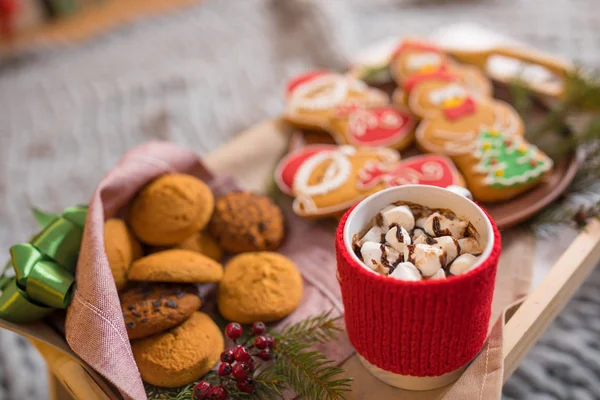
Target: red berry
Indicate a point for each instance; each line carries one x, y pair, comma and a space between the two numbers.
258, 328
270, 341
265, 354
246, 386
227, 356
217, 393
240, 371
241, 354
201, 390
225, 369
233, 330
261, 342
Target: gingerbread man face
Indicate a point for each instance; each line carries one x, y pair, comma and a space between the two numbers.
383, 126
313, 98
421, 58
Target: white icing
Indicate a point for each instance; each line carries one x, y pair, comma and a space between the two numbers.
469, 245
455, 227
400, 215
373, 235
449, 245
337, 173
450, 91
427, 259
441, 274
331, 90
406, 271
420, 60
392, 239
463, 263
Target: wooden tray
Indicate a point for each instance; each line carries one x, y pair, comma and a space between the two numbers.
264, 145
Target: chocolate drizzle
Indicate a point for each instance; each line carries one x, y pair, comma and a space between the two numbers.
437, 229
399, 235
384, 259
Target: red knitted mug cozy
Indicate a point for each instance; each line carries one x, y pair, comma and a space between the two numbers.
425, 328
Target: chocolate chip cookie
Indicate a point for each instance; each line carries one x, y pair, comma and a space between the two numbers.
153, 308
245, 221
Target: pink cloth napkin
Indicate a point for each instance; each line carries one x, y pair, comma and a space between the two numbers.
95, 328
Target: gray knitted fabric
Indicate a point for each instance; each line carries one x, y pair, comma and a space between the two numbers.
199, 76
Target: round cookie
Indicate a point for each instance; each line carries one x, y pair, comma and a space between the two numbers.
154, 308
121, 249
176, 266
245, 221
203, 243
261, 286
181, 355
170, 209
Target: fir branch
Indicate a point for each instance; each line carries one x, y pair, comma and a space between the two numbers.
157, 393
309, 373
521, 98
318, 329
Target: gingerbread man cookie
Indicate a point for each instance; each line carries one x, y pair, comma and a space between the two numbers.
312, 98
383, 126
327, 180
416, 57
483, 137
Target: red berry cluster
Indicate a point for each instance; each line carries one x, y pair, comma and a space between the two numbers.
237, 363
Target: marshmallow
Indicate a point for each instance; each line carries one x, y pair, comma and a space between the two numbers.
449, 245
373, 235
378, 257
438, 225
463, 263
397, 237
426, 258
391, 255
371, 254
469, 245
406, 271
420, 223
399, 215
439, 275
420, 237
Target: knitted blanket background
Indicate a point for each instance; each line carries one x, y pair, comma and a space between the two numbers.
199, 76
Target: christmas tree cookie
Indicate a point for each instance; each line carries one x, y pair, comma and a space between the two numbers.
483, 136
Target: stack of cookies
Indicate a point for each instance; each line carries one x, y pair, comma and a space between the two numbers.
173, 239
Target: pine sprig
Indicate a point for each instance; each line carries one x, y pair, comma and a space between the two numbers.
309, 373
318, 329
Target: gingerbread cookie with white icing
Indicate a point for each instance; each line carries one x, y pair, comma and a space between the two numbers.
312, 98
327, 180
483, 137
383, 126
416, 57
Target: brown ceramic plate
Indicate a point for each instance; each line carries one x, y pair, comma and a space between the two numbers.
505, 214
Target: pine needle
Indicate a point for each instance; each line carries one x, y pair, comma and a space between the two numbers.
319, 329
309, 373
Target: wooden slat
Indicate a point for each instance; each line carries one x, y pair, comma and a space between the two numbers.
543, 305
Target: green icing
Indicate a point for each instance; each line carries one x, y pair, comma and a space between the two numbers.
509, 161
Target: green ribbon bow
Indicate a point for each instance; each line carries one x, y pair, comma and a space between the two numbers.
44, 267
